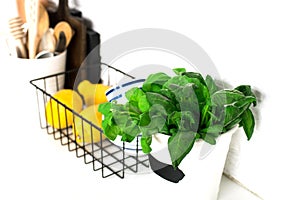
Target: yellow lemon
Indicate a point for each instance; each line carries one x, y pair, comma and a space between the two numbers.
92, 93
56, 114
83, 131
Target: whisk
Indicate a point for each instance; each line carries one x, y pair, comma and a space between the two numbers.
16, 30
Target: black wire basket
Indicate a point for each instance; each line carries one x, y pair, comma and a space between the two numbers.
103, 155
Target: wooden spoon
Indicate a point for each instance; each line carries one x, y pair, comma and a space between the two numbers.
64, 27
43, 20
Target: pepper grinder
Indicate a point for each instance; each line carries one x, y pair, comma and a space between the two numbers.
16, 30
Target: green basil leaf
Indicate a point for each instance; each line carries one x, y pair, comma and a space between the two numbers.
180, 145
121, 117
232, 124
112, 131
155, 88
169, 94
127, 137
246, 90
134, 94
175, 82
143, 104
211, 85
155, 80
232, 113
130, 92
205, 115
130, 132
165, 129
213, 130
174, 119
179, 71
173, 131
225, 97
155, 98
209, 139
146, 144
189, 121
189, 84
202, 94
104, 108
107, 120
144, 119
248, 123
133, 109
186, 97
154, 121
195, 75
180, 86
244, 101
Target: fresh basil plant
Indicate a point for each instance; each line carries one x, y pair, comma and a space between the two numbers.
186, 107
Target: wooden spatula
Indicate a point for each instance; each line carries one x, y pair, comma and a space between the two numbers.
32, 15
38, 23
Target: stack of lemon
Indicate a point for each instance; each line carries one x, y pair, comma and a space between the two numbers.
60, 117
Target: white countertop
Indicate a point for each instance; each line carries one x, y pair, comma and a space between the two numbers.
37, 167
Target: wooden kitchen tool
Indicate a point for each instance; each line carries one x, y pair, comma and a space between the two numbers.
38, 23
43, 21
93, 58
16, 30
32, 14
66, 29
76, 51
21, 10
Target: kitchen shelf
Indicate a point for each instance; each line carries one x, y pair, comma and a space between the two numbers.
104, 156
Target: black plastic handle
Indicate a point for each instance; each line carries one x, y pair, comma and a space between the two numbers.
165, 171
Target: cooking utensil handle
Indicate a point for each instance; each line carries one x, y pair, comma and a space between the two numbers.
63, 7
21, 9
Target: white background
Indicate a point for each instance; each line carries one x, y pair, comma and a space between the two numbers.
251, 42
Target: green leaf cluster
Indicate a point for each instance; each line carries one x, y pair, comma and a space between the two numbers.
186, 107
